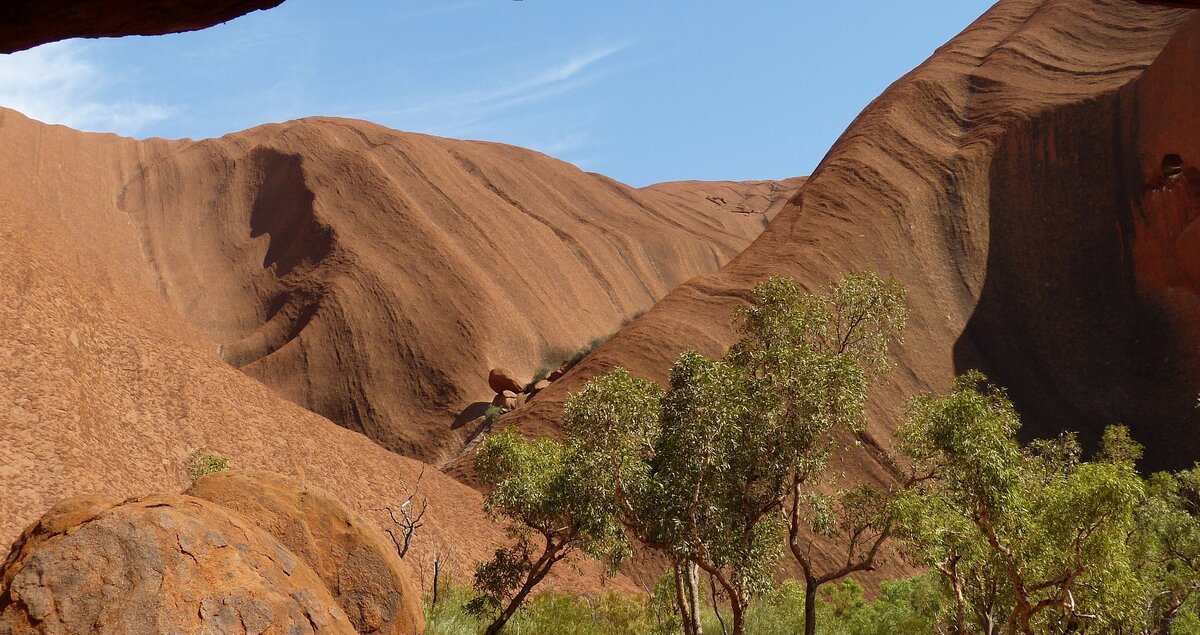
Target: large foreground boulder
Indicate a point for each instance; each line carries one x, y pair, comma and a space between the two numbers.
160, 564
239, 552
357, 562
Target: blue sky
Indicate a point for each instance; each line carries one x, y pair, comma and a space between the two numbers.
640, 91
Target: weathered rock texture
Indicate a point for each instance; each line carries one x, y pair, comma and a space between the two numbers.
161, 564
1015, 183
357, 563
27, 23
370, 276
745, 206
104, 389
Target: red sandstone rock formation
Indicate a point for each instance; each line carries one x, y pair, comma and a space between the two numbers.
1033, 184
370, 276
747, 205
103, 389
347, 265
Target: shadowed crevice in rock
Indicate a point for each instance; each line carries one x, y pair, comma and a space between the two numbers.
283, 210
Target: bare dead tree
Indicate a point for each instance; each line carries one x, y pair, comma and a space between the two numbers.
437, 572
409, 519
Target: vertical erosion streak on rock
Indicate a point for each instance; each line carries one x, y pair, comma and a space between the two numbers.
1089, 314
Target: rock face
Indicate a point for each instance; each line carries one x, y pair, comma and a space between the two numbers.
161, 564
135, 271
353, 268
27, 23
357, 563
105, 389
746, 206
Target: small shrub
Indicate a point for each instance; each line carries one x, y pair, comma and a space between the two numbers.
567, 359
779, 611
591, 346
909, 606
541, 373
636, 314
202, 462
492, 414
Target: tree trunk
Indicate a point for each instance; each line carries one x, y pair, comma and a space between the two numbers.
437, 570
712, 585
810, 606
1026, 626
536, 573
693, 587
737, 606
685, 616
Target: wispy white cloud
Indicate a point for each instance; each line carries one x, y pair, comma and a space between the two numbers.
457, 112
56, 83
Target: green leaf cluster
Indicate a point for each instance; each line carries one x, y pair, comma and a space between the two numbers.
705, 470
1028, 539
553, 499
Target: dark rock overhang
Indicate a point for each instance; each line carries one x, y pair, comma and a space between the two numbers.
1175, 4
28, 23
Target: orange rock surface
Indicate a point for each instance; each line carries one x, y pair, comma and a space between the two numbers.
161, 564
371, 276
1033, 184
356, 561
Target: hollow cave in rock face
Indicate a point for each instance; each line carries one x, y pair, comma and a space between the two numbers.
1172, 165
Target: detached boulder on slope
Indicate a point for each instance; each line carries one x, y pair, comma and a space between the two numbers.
502, 379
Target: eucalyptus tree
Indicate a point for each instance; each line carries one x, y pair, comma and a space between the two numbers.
713, 474
1026, 539
553, 509
1167, 544
810, 359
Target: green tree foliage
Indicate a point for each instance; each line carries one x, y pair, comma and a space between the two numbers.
722, 471
553, 510
713, 493
705, 472
1027, 539
811, 357
1167, 548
